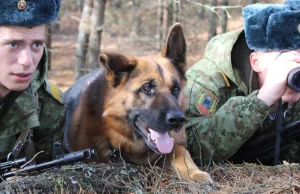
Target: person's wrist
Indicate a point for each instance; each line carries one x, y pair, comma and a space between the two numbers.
266, 98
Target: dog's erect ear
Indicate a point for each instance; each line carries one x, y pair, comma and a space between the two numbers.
116, 62
175, 48
117, 66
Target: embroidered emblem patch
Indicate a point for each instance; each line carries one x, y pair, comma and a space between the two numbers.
206, 102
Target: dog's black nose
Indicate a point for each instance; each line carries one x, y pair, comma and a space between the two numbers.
176, 118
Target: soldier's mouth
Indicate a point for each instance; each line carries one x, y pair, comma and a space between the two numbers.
22, 76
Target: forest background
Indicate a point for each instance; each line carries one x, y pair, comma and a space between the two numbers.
136, 27
86, 28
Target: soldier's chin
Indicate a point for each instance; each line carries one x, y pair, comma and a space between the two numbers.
18, 87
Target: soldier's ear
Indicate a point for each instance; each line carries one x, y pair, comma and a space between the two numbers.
254, 61
117, 66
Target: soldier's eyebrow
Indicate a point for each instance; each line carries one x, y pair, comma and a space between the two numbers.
20, 41
39, 41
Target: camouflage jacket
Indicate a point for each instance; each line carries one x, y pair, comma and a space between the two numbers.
225, 119
40, 107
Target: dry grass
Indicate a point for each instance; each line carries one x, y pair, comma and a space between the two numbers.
120, 178
252, 178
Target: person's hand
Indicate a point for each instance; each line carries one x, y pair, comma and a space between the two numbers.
275, 83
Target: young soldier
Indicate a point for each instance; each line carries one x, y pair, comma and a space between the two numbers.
233, 92
32, 113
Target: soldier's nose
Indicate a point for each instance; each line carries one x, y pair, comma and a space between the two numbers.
25, 58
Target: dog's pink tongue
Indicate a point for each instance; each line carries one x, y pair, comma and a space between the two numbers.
163, 141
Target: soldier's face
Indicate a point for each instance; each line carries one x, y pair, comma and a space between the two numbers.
278, 64
21, 49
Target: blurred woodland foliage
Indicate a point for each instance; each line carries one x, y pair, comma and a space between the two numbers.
140, 26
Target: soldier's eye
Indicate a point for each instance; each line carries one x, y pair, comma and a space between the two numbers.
13, 45
37, 45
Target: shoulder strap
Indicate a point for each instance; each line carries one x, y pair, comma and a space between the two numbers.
54, 91
9, 101
25, 139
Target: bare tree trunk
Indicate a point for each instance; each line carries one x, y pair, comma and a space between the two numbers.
97, 20
136, 20
212, 20
48, 43
159, 24
224, 17
82, 39
176, 12
201, 12
170, 9
79, 5
165, 20
117, 4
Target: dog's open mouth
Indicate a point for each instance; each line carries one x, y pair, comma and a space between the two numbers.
159, 142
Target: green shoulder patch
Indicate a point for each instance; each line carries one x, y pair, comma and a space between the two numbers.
206, 102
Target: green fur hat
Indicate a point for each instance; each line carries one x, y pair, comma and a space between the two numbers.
28, 12
273, 26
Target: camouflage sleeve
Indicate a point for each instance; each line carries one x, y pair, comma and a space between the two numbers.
218, 132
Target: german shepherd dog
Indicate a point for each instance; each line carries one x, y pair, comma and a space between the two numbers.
132, 108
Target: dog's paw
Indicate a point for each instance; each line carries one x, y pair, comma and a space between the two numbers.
201, 177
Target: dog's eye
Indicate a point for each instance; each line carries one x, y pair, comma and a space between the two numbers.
147, 88
176, 90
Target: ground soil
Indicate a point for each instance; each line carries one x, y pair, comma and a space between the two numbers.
126, 178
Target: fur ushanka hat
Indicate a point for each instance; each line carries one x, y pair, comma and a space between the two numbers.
273, 26
28, 12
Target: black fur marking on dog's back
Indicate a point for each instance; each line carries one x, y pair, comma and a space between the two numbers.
72, 98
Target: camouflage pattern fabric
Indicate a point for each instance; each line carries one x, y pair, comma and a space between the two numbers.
39, 107
222, 116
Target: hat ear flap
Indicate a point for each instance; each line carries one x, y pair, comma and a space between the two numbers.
293, 4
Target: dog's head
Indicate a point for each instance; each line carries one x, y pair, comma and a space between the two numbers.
148, 91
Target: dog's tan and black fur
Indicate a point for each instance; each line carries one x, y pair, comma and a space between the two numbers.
134, 105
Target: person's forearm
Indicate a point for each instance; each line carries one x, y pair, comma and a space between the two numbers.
223, 133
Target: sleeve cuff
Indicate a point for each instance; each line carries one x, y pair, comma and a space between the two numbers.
258, 105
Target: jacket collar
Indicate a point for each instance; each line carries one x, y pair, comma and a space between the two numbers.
221, 51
